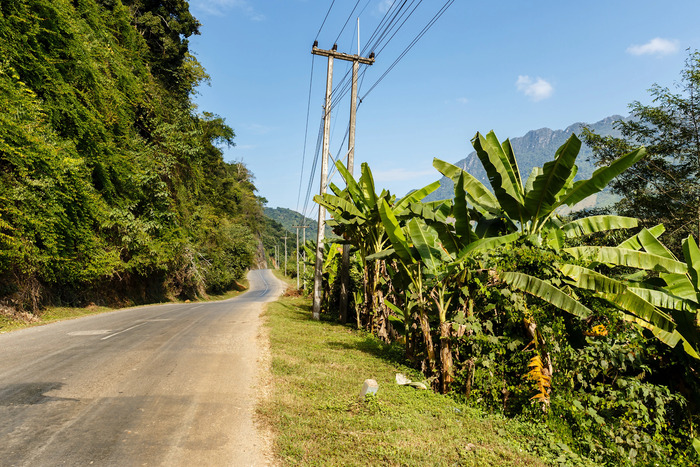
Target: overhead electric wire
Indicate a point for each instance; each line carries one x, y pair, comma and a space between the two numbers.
377, 52
342, 86
306, 133
396, 16
324, 20
313, 169
387, 19
410, 46
347, 21
393, 21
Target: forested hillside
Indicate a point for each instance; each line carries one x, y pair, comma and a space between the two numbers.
110, 177
289, 218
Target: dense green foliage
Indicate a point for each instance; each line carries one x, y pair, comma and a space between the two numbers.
507, 305
109, 177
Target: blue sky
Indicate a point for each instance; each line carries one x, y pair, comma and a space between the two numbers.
507, 66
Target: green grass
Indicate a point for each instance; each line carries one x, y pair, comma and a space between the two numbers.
318, 419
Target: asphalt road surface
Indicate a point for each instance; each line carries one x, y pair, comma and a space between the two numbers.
163, 385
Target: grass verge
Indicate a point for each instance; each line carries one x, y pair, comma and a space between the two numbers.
314, 410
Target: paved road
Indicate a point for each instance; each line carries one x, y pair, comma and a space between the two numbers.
160, 385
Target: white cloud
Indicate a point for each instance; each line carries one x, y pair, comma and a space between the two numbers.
462, 100
535, 89
220, 8
384, 5
656, 46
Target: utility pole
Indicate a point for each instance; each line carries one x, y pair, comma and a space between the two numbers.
285, 254
345, 265
331, 54
299, 227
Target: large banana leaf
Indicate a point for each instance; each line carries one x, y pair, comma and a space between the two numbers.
661, 298
510, 157
335, 189
366, 185
340, 206
593, 224
589, 279
668, 338
652, 244
395, 234
448, 242
425, 241
477, 194
633, 243
546, 292
601, 177
536, 172
505, 183
542, 198
353, 188
460, 211
692, 259
625, 257
415, 196
680, 286
488, 243
637, 306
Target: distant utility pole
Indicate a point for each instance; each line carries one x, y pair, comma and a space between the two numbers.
304, 253
356, 59
285, 254
299, 227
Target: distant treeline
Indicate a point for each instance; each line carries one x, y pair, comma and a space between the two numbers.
112, 183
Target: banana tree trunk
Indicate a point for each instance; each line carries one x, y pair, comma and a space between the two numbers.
428, 340
447, 375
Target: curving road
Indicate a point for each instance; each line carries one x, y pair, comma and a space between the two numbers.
159, 385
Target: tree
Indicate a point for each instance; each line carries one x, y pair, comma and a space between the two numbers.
662, 187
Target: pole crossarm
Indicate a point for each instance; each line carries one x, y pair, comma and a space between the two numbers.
343, 56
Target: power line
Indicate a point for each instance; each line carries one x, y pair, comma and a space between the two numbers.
324, 19
306, 130
347, 20
395, 18
410, 46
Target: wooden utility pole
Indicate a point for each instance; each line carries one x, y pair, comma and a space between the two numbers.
299, 227
356, 59
285, 254
345, 265
304, 251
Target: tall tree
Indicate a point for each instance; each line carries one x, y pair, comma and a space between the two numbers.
662, 187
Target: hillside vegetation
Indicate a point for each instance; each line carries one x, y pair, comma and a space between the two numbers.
112, 182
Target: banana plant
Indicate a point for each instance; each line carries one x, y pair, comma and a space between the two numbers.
355, 217
669, 309
676, 298
530, 208
433, 272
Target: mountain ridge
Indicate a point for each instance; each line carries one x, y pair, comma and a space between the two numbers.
534, 149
